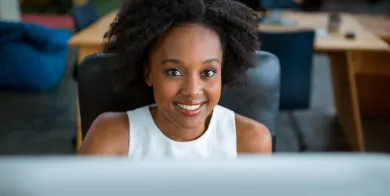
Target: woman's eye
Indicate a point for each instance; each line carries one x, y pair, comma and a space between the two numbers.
173, 72
209, 73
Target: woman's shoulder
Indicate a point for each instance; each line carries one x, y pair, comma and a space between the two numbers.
252, 136
108, 134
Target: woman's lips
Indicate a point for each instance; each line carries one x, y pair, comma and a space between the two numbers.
190, 109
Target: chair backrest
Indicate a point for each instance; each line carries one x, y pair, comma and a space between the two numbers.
84, 15
295, 50
258, 99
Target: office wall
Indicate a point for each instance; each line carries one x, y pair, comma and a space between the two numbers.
9, 10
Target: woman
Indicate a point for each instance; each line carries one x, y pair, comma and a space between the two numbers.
183, 52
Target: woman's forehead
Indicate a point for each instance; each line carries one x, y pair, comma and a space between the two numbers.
189, 41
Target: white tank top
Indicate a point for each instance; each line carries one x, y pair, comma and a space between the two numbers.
148, 142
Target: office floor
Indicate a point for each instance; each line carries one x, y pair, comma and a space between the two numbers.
44, 123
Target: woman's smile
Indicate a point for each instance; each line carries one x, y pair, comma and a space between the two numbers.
190, 109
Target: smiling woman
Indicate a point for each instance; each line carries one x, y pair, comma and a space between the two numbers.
183, 52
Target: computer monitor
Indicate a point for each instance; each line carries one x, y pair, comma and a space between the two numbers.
276, 175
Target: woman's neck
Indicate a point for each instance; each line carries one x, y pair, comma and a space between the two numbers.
175, 131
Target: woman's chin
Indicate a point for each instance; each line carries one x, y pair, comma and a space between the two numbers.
190, 123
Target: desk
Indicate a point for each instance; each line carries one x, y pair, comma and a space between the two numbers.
373, 69
365, 40
378, 24
90, 40
340, 50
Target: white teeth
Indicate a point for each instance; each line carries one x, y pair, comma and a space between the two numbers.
188, 107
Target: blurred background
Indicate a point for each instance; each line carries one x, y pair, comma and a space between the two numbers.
38, 88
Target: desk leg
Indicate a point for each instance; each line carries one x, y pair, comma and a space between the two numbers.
372, 72
346, 99
79, 137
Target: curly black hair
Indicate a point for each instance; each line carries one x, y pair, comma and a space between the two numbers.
140, 23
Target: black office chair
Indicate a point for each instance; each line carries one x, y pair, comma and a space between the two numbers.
258, 99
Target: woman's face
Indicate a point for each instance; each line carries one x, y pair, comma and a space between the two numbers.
185, 72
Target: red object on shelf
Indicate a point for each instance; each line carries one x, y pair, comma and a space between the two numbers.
62, 21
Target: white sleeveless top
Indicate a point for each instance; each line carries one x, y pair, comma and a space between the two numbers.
148, 142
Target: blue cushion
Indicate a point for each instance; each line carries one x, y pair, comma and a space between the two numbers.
31, 57
10, 31
49, 40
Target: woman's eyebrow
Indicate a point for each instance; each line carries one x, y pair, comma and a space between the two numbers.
210, 60
175, 61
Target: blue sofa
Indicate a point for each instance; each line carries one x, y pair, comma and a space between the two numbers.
32, 57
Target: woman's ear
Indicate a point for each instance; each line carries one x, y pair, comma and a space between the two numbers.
147, 76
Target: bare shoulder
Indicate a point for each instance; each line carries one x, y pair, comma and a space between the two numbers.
252, 136
108, 135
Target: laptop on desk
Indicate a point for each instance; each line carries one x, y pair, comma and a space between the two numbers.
277, 175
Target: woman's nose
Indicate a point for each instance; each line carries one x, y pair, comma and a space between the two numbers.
193, 86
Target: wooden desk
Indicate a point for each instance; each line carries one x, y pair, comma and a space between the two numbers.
377, 24
90, 40
365, 40
339, 49
373, 69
